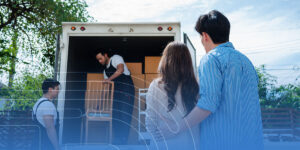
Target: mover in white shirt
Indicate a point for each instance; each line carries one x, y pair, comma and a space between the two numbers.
46, 116
117, 71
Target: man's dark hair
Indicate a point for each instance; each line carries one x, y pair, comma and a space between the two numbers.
49, 83
216, 25
109, 52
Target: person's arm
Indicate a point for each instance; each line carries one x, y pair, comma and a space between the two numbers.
104, 75
51, 131
118, 62
120, 70
196, 116
171, 128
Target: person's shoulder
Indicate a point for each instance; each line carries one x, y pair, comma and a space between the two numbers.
156, 89
241, 55
209, 57
158, 86
39, 101
116, 56
117, 59
156, 82
47, 104
221, 55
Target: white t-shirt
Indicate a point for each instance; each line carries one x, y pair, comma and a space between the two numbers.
45, 108
115, 61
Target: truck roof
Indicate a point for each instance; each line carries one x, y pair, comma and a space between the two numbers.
118, 23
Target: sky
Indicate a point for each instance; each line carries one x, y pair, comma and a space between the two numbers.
266, 31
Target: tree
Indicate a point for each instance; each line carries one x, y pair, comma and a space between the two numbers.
28, 30
24, 92
31, 26
276, 96
266, 81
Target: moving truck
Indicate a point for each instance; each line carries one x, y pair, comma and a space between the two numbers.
75, 59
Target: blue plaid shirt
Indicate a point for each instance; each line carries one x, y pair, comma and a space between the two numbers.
229, 89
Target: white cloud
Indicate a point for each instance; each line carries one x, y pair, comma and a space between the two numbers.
153, 10
269, 39
264, 37
130, 10
209, 4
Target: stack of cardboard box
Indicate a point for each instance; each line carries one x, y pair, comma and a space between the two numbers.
151, 69
136, 75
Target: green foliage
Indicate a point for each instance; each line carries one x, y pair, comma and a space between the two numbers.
285, 96
5, 56
28, 30
271, 96
24, 92
266, 81
38, 22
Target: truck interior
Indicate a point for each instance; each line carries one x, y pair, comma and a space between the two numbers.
82, 60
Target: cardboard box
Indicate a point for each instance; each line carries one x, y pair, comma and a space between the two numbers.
149, 78
138, 81
95, 76
134, 68
151, 64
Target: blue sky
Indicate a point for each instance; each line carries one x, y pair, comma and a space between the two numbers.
267, 31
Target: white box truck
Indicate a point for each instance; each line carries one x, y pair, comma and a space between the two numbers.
75, 57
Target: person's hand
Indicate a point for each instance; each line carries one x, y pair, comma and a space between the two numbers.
106, 80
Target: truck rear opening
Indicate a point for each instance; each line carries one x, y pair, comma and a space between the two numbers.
81, 60
76, 61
